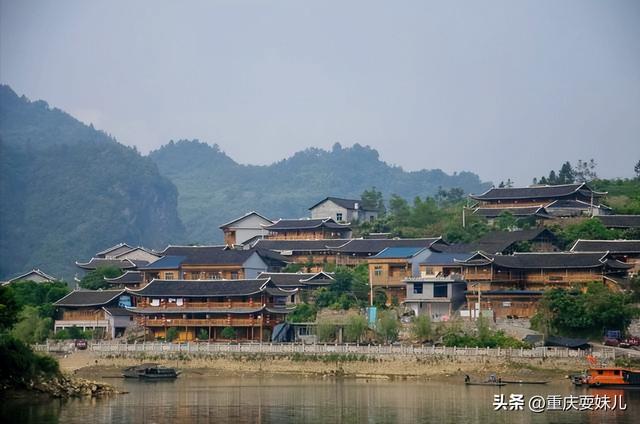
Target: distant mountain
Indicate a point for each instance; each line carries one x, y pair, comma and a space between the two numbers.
68, 190
214, 189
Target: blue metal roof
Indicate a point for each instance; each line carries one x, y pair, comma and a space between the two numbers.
398, 252
165, 262
445, 258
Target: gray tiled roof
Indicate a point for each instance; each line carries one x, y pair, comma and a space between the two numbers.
202, 288
306, 224
534, 192
620, 221
517, 211
89, 297
345, 203
613, 246
556, 260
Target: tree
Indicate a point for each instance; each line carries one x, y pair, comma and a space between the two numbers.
31, 328
506, 221
636, 169
566, 174
172, 334
355, 328
8, 308
421, 328
400, 210
94, 280
585, 171
388, 327
41, 295
373, 200
303, 312
203, 334
228, 333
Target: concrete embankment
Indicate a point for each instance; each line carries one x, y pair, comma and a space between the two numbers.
371, 366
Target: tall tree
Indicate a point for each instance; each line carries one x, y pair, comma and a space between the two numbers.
636, 169
585, 171
566, 174
372, 199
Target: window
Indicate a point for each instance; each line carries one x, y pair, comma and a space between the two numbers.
339, 216
234, 275
377, 271
168, 276
616, 372
417, 288
428, 270
372, 218
506, 304
440, 290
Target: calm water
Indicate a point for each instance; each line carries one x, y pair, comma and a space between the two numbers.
239, 399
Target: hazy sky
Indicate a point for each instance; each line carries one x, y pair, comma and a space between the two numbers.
502, 88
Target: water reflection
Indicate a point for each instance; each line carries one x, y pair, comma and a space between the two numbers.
241, 399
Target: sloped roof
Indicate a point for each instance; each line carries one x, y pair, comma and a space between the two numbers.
374, 246
534, 192
83, 297
305, 224
117, 249
201, 288
574, 204
399, 252
209, 255
42, 274
297, 279
300, 245
612, 246
129, 277
554, 260
620, 221
96, 263
538, 211
248, 214
438, 258
345, 203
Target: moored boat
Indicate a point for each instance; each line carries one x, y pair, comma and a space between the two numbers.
525, 381
485, 383
150, 371
613, 377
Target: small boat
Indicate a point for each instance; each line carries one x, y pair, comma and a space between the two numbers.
150, 371
525, 381
613, 377
484, 383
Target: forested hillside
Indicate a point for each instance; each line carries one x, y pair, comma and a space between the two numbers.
69, 190
213, 188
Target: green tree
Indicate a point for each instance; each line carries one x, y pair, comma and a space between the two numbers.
303, 312
585, 171
566, 174
355, 328
421, 328
9, 308
172, 334
373, 200
94, 280
41, 295
636, 169
388, 327
203, 334
31, 328
228, 333
506, 221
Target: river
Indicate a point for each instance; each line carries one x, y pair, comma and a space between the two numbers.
195, 398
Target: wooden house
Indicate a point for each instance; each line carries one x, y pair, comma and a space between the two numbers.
620, 222
391, 267
196, 308
305, 282
120, 256
507, 242
130, 279
564, 200
211, 262
627, 251
307, 229
104, 310
245, 228
342, 210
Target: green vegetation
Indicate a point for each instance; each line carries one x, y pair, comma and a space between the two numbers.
576, 314
355, 328
325, 331
203, 334
421, 328
94, 280
20, 365
31, 327
350, 289
388, 327
207, 178
172, 334
483, 336
303, 312
69, 191
228, 333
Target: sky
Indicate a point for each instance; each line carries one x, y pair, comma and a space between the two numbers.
506, 89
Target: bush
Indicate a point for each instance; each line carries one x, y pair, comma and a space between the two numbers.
325, 331
72, 333
355, 328
20, 364
303, 312
388, 327
172, 334
203, 334
421, 328
32, 328
228, 333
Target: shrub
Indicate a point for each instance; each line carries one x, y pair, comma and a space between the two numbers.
421, 328
388, 327
172, 334
228, 333
325, 331
203, 334
355, 328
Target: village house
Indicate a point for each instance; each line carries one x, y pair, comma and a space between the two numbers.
566, 200
507, 242
620, 222
391, 267
202, 309
307, 229
315, 254
34, 275
121, 256
211, 262
523, 277
304, 282
342, 210
627, 251
130, 279
102, 310
245, 228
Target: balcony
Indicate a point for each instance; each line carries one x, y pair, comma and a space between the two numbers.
202, 305
206, 322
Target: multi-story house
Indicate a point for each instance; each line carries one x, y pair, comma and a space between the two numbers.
247, 227
307, 229
342, 210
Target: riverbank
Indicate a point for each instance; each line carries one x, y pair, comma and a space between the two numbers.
96, 365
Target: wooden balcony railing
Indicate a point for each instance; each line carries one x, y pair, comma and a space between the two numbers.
82, 315
207, 322
203, 305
